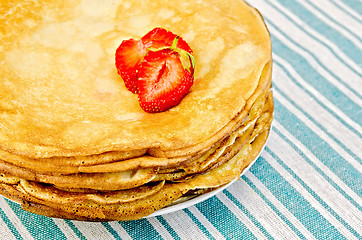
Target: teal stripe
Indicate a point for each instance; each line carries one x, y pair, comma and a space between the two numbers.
248, 214
10, 225
224, 220
168, 227
75, 229
315, 38
315, 99
311, 20
320, 200
281, 47
348, 174
111, 230
331, 19
294, 201
311, 163
40, 227
345, 11
140, 229
275, 86
272, 206
354, 4
198, 223
309, 74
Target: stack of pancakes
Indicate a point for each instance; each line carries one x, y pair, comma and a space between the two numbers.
74, 142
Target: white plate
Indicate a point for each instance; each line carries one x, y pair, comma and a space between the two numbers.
197, 199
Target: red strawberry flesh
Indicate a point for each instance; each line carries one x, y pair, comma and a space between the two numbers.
159, 68
160, 37
128, 56
162, 81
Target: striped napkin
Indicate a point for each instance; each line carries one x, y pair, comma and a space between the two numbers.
307, 183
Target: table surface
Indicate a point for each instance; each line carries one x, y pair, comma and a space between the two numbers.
307, 183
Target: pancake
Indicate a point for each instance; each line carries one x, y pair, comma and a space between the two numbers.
74, 142
224, 151
121, 161
84, 203
36, 199
112, 179
61, 95
101, 181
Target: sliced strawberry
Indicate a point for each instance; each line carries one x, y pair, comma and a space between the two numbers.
159, 67
160, 37
128, 56
163, 79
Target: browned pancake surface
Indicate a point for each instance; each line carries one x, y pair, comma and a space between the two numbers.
61, 95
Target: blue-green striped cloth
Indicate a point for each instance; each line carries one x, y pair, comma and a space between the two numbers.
307, 183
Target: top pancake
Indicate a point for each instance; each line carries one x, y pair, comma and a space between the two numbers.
60, 92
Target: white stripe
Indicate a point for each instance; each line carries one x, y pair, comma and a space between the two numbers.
66, 230
317, 162
120, 230
319, 132
348, 9
307, 196
317, 112
314, 92
282, 209
335, 49
320, 52
206, 223
23, 231
183, 225
333, 198
5, 232
93, 230
271, 222
341, 30
339, 16
159, 228
241, 216
314, 64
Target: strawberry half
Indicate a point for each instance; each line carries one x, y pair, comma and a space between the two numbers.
131, 52
128, 56
160, 37
164, 78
